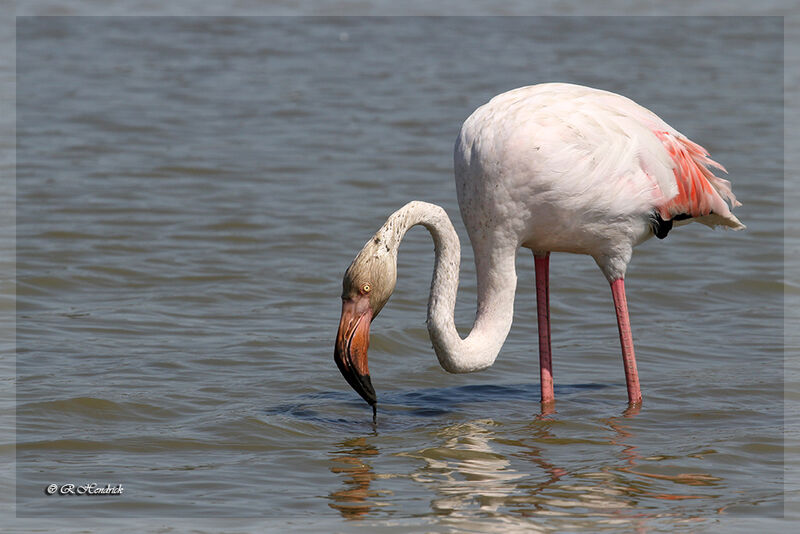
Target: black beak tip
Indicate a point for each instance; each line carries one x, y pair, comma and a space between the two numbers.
366, 390
362, 384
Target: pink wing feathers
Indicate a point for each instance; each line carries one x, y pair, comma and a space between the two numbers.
701, 194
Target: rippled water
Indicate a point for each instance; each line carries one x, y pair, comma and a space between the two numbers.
190, 191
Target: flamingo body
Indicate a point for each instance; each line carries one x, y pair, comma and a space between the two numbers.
553, 168
564, 168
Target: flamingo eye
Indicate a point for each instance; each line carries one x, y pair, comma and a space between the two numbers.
366, 288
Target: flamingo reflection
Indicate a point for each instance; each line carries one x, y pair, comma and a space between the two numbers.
641, 484
545, 473
355, 500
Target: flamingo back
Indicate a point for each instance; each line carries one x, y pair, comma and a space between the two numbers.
561, 167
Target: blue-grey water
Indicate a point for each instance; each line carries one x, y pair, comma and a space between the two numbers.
190, 191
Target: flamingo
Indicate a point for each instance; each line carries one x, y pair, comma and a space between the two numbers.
552, 167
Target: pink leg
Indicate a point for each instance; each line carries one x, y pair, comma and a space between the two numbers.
626, 340
542, 264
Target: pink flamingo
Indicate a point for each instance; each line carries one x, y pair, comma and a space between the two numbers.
553, 168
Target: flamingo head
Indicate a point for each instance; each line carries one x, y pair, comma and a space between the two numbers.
367, 285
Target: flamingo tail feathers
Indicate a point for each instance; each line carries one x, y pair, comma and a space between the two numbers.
702, 196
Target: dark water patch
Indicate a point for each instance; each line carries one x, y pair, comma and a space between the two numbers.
145, 444
412, 408
96, 409
182, 171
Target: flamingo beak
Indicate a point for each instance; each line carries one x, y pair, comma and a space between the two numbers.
352, 342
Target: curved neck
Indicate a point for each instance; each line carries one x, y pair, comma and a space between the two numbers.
497, 283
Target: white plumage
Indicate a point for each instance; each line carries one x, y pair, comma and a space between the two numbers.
566, 168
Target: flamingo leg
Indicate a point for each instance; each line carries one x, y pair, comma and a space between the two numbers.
626, 340
542, 264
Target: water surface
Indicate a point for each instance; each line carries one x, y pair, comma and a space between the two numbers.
190, 191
